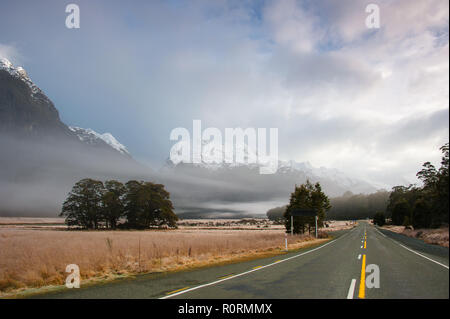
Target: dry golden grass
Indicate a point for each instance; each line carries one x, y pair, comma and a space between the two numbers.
36, 258
438, 236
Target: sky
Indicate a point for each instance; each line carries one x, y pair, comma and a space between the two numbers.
373, 103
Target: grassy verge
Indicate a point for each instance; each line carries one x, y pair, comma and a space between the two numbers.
38, 266
438, 236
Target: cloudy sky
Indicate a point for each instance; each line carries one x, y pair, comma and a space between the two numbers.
373, 103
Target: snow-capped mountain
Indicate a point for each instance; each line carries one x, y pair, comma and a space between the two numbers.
41, 157
31, 112
19, 73
91, 137
290, 172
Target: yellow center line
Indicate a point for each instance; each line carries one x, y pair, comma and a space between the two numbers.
277, 261
172, 292
365, 244
223, 277
257, 267
362, 283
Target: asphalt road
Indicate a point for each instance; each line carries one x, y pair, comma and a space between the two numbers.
408, 268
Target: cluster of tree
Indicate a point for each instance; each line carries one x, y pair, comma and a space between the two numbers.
306, 197
426, 206
360, 206
93, 204
347, 206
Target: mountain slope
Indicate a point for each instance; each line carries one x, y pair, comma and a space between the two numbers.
41, 157
26, 111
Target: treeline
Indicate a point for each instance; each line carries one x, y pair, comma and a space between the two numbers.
358, 206
345, 207
276, 214
426, 206
93, 204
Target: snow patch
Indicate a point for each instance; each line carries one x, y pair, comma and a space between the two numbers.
90, 136
20, 73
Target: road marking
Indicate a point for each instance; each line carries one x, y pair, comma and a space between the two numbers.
175, 291
365, 245
277, 261
351, 290
362, 283
250, 271
225, 276
381, 233
359, 256
257, 267
361, 247
413, 251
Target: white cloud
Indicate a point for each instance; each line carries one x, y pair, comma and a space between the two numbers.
339, 93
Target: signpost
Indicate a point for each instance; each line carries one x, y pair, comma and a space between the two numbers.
303, 212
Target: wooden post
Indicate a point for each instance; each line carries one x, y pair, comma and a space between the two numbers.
285, 241
316, 224
139, 261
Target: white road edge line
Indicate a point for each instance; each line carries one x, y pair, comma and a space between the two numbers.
250, 271
413, 251
380, 233
351, 290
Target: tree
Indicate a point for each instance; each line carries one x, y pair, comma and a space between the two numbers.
83, 206
148, 204
144, 204
131, 203
400, 210
306, 196
113, 206
421, 214
379, 219
436, 189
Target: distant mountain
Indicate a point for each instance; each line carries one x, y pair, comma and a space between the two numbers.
41, 157
288, 174
24, 109
27, 112
91, 137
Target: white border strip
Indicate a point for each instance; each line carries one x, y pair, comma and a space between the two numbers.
415, 252
351, 290
250, 271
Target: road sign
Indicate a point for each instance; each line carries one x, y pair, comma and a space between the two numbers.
303, 212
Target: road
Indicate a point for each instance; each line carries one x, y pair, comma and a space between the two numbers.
408, 268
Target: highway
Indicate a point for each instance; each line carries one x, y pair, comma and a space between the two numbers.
343, 268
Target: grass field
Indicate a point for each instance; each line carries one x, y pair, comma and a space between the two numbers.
31, 257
